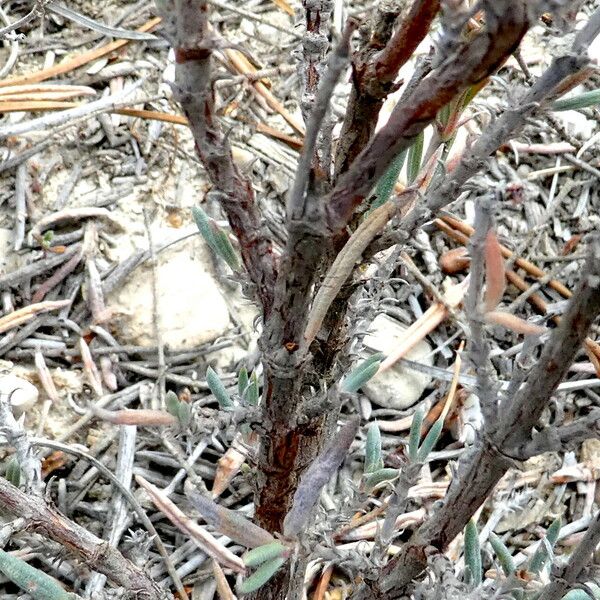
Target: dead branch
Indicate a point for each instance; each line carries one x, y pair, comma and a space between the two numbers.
96, 553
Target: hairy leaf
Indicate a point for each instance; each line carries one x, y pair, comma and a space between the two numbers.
379, 476
33, 581
544, 550
472, 553
503, 554
373, 459
414, 438
430, 440
218, 389
415, 156
261, 575
261, 554
361, 374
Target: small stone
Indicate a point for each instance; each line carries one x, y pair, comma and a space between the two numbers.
23, 394
398, 387
191, 307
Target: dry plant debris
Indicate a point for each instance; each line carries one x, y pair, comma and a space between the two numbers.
205, 206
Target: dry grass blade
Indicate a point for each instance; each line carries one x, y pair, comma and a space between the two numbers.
203, 538
73, 63
284, 6
229, 464
223, 589
22, 315
513, 323
141, 417
35, 92
432, 317
244, 67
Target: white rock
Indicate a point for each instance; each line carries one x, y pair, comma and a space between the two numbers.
398, 387
191, 308
23, 394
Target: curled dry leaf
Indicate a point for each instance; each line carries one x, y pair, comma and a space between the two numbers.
495, 277
455, 260
229, 464
514, 323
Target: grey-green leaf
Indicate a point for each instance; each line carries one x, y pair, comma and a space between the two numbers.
472, 554
218, 389
379, 476
215, 237
385, 186
544, 550
36, 583
13, 471
430, 440
361, 374
262, 554
373, 459
261, 575
242, 381
503, 554
582, 100
414, 438
415, 156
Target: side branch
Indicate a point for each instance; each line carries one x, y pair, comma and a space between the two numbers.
193, 88
506, 24
490, 458
375, 69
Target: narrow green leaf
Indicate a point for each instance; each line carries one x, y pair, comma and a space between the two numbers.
373, 459
215, 237
415, 156
379, 476
430, 440
580, 594
472, 554
184, 414
36, 583
252, 393
259, 555
503, 554
218, 389
172, 403
223, 247
385, 186
261, 576
414, 438
544, 550
361, 374
582, 100
13, 471
242, 381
